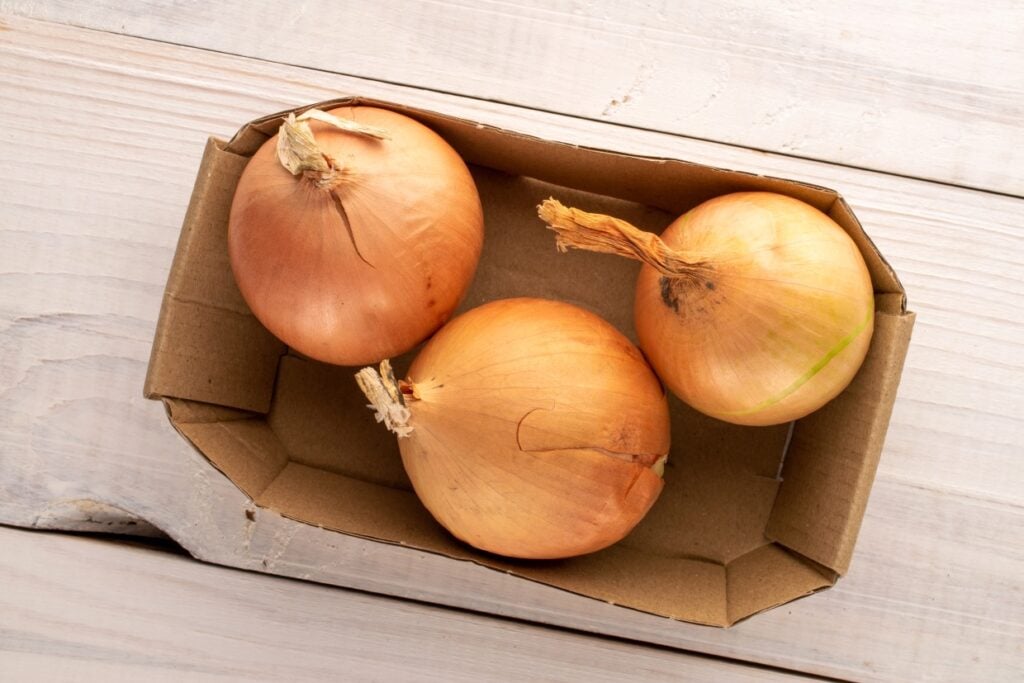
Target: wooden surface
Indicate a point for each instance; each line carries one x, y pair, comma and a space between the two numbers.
102, 137
167, 618
921, 88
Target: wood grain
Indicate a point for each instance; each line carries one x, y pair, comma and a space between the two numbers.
958, 252
926, 89
88, 610
97, 182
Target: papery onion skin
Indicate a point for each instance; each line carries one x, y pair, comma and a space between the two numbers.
778, 323
375, 288
535, 428
769, 316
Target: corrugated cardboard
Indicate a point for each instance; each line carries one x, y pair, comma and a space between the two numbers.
730, 535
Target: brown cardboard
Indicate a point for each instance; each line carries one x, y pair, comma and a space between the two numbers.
833, 455
203, 317
728, 538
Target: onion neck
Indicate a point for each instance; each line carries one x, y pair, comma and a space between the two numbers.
607, 235
299, 152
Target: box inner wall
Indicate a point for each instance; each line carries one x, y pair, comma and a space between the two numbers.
318, 455
720, 479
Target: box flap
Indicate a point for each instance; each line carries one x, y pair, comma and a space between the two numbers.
834, 453
883, 277
208, 346
685, 588
339, 502
245, 449
678, 587
770, 576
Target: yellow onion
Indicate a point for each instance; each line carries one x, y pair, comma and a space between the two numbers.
529, 428
754, 307
354, 233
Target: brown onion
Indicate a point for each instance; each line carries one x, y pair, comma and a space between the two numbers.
754, 307
354, 233
529, 428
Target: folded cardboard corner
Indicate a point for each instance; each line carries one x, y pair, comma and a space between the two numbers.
730, 535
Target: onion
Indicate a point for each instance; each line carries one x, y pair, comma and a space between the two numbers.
357, 243
754, 307
529, 428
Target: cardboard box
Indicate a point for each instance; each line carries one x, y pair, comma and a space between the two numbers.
750, 518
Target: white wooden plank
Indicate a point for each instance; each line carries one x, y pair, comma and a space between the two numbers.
959, 252
87, 610
926, 89
82, 269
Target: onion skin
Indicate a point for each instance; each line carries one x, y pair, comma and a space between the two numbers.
537, 430
759, 311
365, 262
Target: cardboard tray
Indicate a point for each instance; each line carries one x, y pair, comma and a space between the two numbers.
750, 518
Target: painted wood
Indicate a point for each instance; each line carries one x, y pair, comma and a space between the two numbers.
88, 610
958, 252
88, 236
920, 88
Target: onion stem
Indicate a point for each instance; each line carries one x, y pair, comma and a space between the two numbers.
597, 232
298, 151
